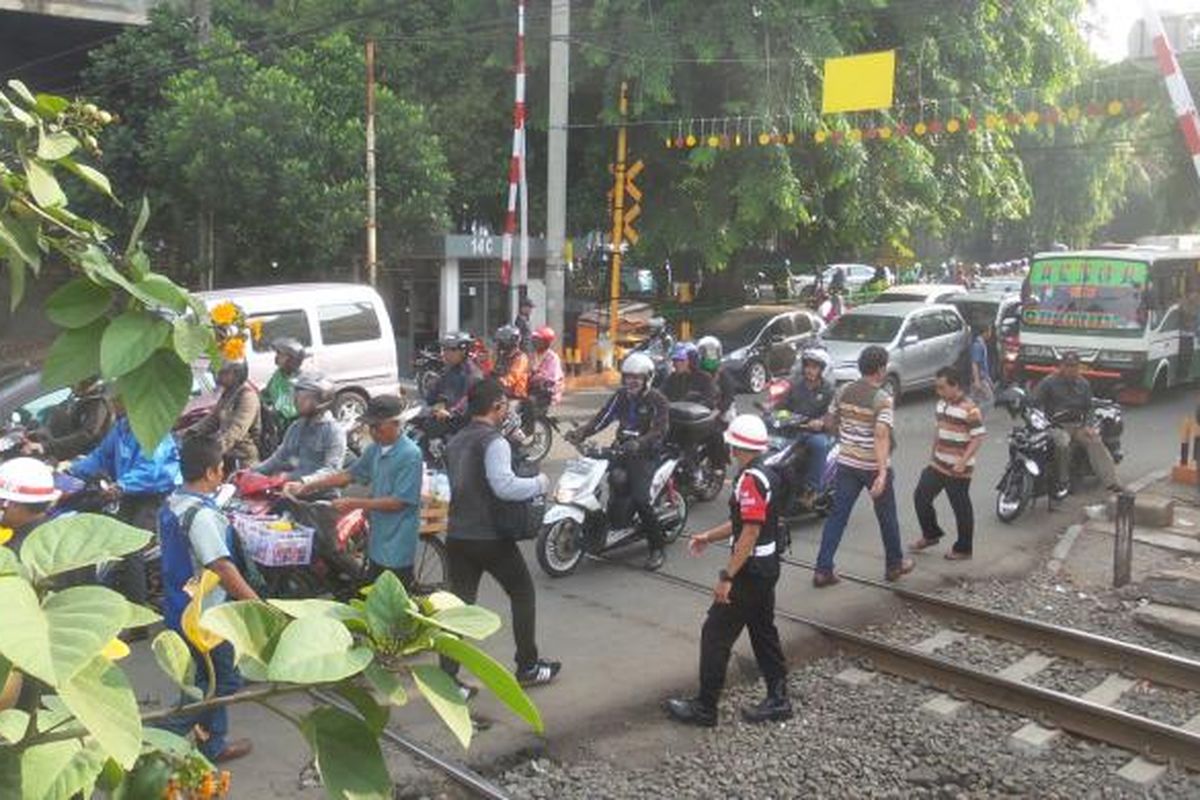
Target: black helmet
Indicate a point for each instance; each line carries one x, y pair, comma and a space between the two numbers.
457, 340
508, 336
315, 384
291, 347
239, 369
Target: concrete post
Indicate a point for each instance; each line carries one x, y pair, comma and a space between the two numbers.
448, 313
556, 164
1123, 542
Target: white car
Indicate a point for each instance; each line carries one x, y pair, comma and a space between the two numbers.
920, 293
857, 276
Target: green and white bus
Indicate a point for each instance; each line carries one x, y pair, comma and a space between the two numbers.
1131, 315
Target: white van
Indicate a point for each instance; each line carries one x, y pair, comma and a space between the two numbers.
345, 327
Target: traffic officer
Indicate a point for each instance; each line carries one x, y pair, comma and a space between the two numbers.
744, 596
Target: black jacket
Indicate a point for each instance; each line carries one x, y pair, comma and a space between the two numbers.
694, 386
642, 419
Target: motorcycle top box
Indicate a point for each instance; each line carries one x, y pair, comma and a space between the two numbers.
691, 423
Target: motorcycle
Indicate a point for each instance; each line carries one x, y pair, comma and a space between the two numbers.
427, 366
585, 515
530, 427
788, 455
1030, 470
693, 428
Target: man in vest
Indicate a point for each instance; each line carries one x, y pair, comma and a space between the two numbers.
744, 596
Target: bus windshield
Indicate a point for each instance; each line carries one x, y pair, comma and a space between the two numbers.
1100, 295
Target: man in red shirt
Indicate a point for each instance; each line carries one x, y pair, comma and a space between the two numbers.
744, 596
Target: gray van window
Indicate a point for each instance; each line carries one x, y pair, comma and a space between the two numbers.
343, 323
279, 325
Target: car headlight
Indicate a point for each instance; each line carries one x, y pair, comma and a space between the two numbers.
1036, 351
1121, 356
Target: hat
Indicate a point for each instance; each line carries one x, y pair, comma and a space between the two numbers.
383, 408
1069, 357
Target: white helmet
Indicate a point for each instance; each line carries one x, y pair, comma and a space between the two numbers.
638, 364
28, 481
747, 432
817, 355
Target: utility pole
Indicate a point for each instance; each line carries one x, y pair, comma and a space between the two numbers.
204, 217
556, 164
372, 254
618, 219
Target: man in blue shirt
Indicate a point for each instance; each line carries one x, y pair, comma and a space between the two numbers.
391, 466
140, 482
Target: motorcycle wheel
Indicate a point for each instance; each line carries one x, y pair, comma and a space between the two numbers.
541, 439
672, 512
560, 547
431, 567
1014, 494
712, 483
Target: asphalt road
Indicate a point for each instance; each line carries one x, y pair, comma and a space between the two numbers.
627, 641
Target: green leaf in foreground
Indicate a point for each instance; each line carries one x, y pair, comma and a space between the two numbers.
347, 755
25, 633
74, 355
129, 340
175, 659
253, 628
444, 696
100, 697
82, 620
78, 303
154, 395
375, 715
81, 540
385, 682
493, 675
316, 650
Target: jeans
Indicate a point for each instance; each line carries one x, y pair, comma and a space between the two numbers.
215, 721
958, 491
752, 606
500, 558
847, 485
818, 446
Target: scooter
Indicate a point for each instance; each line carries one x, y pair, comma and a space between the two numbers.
1030, 470
788, 455
587, 516
531, 426
693, 427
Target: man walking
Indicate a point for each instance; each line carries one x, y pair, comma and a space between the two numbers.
744, 596
479, 461
960, 434
862, 413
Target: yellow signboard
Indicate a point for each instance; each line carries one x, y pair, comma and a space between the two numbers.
859, 83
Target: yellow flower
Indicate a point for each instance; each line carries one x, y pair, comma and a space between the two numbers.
201, 639
224, 313
115, 650
234, 349
256, 329
6, 535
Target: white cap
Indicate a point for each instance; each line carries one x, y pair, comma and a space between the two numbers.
27, 480
747, 432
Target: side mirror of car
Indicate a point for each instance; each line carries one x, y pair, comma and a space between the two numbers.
909, 338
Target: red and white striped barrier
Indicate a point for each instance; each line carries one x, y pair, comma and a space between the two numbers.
1177, 88
516, 168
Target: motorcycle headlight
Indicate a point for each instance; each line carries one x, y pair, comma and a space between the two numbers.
564, 495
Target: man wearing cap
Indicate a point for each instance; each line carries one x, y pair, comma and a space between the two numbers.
524, 309
391, 466
1066, 397
744, 596
26, 493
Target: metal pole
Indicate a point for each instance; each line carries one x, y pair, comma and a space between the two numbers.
1123, 542
515, 168
372, 229
1177, 88
556, 164
204, 217
618, 220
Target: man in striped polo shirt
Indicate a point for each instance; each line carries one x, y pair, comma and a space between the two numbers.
960, 433
862, 415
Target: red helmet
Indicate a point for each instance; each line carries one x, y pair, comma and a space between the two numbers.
544, 333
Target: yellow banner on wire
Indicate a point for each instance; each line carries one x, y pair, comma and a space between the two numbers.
859, 83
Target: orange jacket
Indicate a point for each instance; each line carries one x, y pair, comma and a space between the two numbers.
515, 379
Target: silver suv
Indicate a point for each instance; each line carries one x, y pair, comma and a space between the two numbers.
920, 339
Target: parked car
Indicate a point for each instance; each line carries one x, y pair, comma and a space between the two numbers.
345, 327
761, 342
920, 293
857, 276
1003, 312
920, 339
1002, 284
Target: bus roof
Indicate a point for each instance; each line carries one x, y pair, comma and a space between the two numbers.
1147, 254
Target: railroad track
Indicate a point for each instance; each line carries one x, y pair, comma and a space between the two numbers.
1091, 716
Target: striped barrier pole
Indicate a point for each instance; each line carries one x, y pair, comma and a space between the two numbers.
1177, 88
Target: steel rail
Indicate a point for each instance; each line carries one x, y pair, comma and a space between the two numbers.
1154, 740
460, 774
1133, 659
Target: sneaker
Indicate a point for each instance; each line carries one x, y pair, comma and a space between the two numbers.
655, 560
1061, 492
466, 690
922, 544
894, 573
690, 711
540, 673
822, 578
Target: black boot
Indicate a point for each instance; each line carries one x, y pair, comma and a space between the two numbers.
655, 559
775, 707
691, 711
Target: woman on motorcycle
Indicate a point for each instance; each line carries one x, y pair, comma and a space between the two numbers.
512, 363
235, 421
547, 368
686, 382
277, 396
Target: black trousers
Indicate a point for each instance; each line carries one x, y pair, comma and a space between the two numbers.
500, 558
128, 575
751, 606
639, 473
958, 490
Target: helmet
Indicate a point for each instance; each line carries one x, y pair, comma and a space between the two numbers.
710, 351
684, 351
656, 325
28, 481
816, 355
457, 340
239, 369
507, 336
747, 432
638, 364
291, 347
544, 334
318, 385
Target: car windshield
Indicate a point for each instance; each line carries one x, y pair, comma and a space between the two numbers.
863, 328
900, 297
977, 313
736, 329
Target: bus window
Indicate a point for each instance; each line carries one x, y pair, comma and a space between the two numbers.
1097, 294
